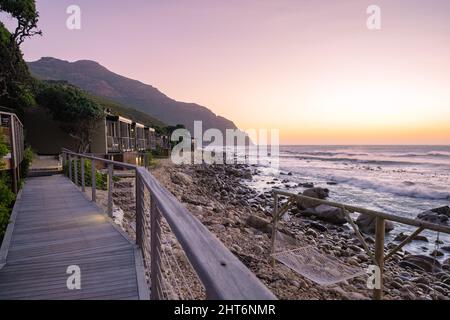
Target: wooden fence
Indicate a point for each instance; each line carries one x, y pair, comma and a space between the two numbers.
379, 256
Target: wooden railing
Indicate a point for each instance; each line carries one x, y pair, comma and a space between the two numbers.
222, 275
379, 256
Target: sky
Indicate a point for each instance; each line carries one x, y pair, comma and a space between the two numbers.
309, 68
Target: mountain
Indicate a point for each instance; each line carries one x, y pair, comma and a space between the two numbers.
133, 114
99, 81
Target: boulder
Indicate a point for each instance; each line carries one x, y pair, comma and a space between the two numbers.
421, 262
438, 215
437, 253
260, 224
317, 193
366, 224
180, 178
327, 213
401, 236
318, 226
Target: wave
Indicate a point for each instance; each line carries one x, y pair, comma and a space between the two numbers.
359, 161
326, 153
435, 154
404, 189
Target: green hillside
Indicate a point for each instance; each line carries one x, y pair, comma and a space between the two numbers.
135, 115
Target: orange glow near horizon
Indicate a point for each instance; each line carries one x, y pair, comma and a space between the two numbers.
311, 69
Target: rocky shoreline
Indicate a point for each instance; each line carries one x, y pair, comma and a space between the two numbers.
219, 197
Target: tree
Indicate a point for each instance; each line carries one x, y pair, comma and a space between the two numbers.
15, 80
24, 11
77, 114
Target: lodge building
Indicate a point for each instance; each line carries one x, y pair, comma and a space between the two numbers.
115, 137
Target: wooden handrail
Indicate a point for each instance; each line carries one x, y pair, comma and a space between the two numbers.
380, 218
222, 274
386, 216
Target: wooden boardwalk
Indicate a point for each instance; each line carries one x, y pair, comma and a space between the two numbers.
54, 226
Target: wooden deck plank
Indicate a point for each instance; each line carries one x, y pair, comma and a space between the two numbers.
55, 227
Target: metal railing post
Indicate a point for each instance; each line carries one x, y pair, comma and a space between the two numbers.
379, 256
70, 167
110, 189
76, 170
83, 182
274, 227
155, 269
139, 210
93, 180
64, 163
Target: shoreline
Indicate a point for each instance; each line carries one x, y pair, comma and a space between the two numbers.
219, 196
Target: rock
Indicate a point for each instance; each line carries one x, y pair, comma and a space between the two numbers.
236, 248
420, 280
307, 185
180, 178
421, 262
438, 215
366, 224
193, 201
401, 236
318, 226
421, 238
332, 183
259, 224
311, 232
326, 213
437, 253
318, 193
446, 248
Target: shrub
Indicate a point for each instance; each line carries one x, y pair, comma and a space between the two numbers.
26, 163
100, 178
7, 198
151, 162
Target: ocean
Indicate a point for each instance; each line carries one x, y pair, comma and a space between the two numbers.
400, 180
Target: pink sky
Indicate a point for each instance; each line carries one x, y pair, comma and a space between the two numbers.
310, 68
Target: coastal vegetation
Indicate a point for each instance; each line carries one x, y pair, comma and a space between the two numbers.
16, 83
73, 109
16, 87
6, 195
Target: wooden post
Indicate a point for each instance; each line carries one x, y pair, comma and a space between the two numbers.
379, 254
93, 180
110, 189
274, 226
155, 269
76, 170
146, 160
64, 163
70, 167
139, 210
83, 182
